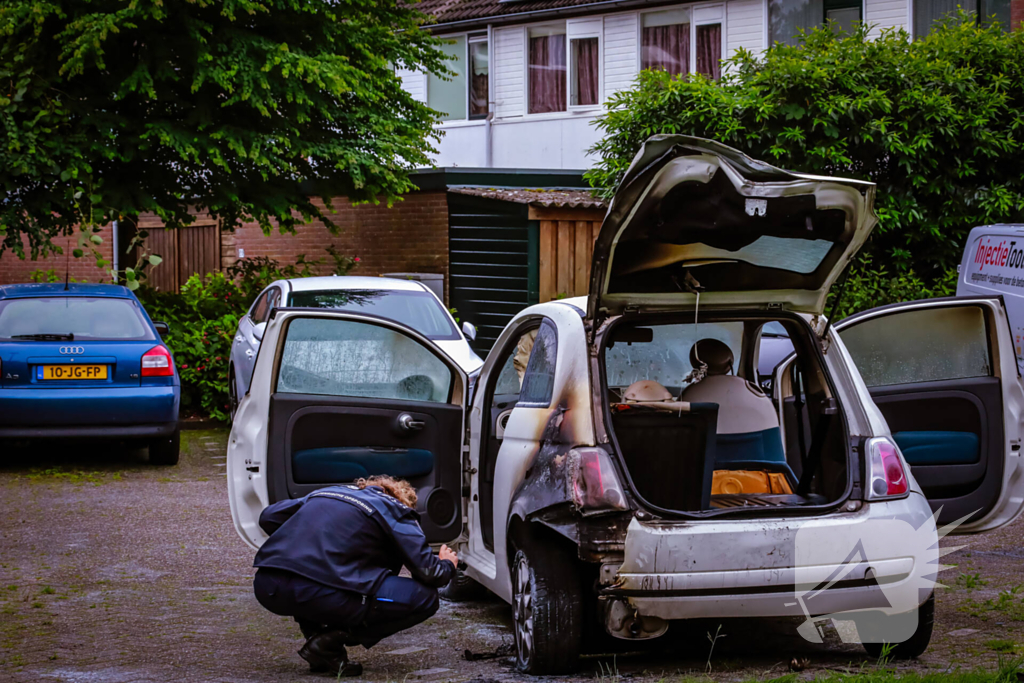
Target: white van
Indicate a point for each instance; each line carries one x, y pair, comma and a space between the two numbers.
993, 264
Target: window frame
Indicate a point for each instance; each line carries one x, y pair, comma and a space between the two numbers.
550, 324
469, 37
911, 24
526, 68
835, 4
695, 21
583, 29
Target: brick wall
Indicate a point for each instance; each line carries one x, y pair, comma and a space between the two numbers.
1016, 14
411, 236
14, 270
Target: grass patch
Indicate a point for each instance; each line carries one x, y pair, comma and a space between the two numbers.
1004, 645
1009, 670
79, 477
47, 591
970, 581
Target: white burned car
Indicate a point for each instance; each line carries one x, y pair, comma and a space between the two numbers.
619, 463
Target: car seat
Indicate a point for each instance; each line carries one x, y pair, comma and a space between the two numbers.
748, 426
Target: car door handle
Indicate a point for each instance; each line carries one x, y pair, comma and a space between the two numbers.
407, 423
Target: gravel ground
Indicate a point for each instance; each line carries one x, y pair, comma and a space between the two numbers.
113, 570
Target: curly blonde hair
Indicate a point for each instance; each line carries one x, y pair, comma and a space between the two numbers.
399, 489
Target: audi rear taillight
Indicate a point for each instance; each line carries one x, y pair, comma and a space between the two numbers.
887, 475
157, 362
593, 480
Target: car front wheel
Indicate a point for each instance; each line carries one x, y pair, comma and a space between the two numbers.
166, 449
547, 605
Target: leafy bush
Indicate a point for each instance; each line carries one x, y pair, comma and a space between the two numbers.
867, 287
937, 123
202, 319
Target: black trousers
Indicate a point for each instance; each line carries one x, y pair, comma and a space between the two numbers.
400, 603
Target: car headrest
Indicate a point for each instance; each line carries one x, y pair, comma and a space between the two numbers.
714, 353
645, 391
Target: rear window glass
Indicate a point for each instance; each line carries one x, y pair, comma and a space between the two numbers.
419, 310
84, 317
666, 358
354, 358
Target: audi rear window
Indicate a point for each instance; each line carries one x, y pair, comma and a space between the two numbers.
72, 317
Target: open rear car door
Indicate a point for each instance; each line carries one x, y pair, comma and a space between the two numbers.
339, 396
944, 375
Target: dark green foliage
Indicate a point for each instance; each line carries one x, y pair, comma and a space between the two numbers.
111, 108
937, 123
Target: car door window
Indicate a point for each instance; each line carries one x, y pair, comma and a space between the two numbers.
261, 308
925, 345
273, 301
539, 378
354, 358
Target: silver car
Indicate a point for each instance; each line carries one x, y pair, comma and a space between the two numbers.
406, 301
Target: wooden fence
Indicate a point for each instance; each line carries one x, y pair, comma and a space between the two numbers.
185, 252
566, 248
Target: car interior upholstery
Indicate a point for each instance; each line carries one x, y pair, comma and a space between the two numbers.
692, 393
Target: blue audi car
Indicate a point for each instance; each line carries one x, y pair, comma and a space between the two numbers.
86, 361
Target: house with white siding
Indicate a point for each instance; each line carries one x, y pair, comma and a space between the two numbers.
533, 74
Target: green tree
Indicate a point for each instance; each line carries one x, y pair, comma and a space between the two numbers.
937, 123
244, 108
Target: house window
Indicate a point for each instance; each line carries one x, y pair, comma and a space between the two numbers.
465, 95
547, 73
584, 78
665, 41
479, 74
709, 50
928, 13
787, 17
683, 40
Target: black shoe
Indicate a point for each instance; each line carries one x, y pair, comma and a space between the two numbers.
326, 652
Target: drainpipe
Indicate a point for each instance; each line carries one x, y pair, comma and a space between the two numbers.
488, 163
116, 250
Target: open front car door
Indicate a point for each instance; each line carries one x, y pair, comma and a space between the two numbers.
944, 375
340, 396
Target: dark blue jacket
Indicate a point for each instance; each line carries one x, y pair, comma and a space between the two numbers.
350, 539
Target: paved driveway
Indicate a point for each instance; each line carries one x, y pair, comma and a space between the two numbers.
113, 570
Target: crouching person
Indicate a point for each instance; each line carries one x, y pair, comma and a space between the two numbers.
332, 563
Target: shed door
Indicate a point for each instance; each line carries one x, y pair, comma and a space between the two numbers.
489, 248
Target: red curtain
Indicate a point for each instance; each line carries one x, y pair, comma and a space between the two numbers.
709, 50
666, 47
547, 74
586, 70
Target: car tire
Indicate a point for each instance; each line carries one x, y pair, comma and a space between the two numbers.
547, 604
914, 646
232, 393
462, 589
165, 450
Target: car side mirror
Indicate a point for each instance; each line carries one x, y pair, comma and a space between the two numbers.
469, 329
258, 330
162, 328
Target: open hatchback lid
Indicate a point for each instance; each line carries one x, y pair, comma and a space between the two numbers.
692, 214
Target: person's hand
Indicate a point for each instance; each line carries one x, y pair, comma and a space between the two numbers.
446, 553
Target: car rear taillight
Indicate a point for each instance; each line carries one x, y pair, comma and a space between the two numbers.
593, 480
887, 475
157, 363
